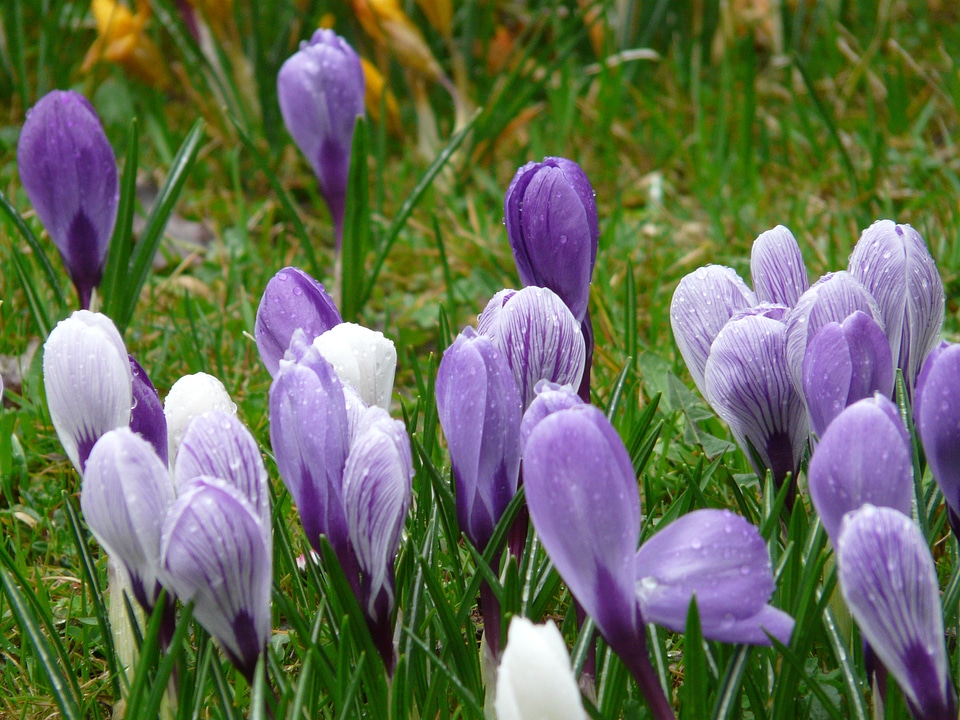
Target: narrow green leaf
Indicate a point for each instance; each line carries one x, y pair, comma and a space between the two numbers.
693, 696
356, 227
37, 309
27, 234
121, 243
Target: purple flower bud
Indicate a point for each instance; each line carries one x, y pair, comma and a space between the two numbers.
538, 336
702, 304
124, 497
746, 383
87, 376
889, 582
479, 408
321, 94
550, 398
845, 362
833, 298
551, 218
937, 413
893, 263
864, 456
216, 553
777, 269
147, 418
69, 172
291, 300
721, 559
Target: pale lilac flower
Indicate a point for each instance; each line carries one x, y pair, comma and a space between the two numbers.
777, 269
550, 398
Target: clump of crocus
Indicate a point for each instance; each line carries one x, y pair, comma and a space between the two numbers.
893, 263
69, 172
321, 91
889, 582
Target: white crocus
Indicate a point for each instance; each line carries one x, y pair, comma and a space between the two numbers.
190, 396
362, 358
86, 372
536, 681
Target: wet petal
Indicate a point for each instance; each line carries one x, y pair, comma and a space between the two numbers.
937, 414
777, 269
363, 358
190, 396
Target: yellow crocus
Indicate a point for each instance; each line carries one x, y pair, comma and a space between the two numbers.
121, 39
374, 96
388, 25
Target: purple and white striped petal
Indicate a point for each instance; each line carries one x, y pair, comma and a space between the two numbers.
721, 559
833, 298
702, 304
937, 413
190, 396
845, 362
777, 269
863, 457
124, 498
292, 299
582, 494
146, 417
215, 553
550, 398
479, 410
218, 445
889, 582
89, 385
539, 337
362, 358
746, 383
893, 263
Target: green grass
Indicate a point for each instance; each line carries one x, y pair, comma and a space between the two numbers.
691, 156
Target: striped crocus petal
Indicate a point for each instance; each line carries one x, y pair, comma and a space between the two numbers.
719, 558
893, 263
845, 362
309, 436
550, 398
292, 299
214, 552
747, 385
582, 494
190, 396
217, 444
702, 304
124, 497
937, 413
833, 298
864, 456
362, 358
889, 582
777, 269
479, 410
86, 373
539, 337
146, 417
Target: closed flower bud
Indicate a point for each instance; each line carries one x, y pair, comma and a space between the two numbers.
190, 396
550, 398
362, 358
777, 269
69, 172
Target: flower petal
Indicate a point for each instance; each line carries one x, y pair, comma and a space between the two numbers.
777, 269
190, 396
550, 398
937, 413
146, 417
363, 358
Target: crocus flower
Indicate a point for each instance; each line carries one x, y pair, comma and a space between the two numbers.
122, 39
69, 172
702, 304
551, 219
362, 358
845, 362
321, 91
746, 383
86, 373
291, 300
550, 398
479, 409
889, 581
538, 335
893, 264
190, 396
777, 269
216, 553
124, 498
535, 680
936, 410
146, 417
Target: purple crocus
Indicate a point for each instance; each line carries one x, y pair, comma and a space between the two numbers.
893, 263
777, 269
69, 172
291, 300
551, 218
845, 362
889, 582
702, 304
321, 94
864, 456
550, 398
479, 409
538, 335
147, 418
936, 410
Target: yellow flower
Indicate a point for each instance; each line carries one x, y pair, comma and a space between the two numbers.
388, 25
374, 95
121, 39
